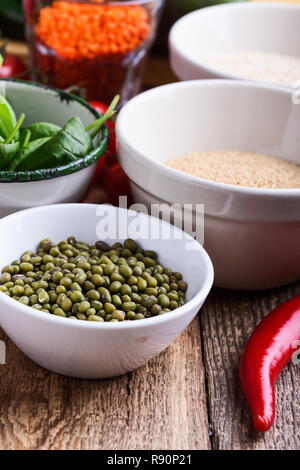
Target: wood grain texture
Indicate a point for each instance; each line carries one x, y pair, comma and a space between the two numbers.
160, 406
227, 320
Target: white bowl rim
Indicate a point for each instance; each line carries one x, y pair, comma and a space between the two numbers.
174, 42
152, 321
187, 178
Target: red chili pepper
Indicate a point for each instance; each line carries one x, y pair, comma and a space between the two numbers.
269, 349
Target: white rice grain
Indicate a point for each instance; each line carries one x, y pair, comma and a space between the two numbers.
255, 65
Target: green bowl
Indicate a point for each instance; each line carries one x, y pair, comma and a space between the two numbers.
64, 184
43, 103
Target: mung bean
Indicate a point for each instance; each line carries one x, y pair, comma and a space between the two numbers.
100, 282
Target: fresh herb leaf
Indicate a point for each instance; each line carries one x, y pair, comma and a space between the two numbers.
8, 119
96, 125
16, 129
7, 153
42, 129
26, 153
69, 144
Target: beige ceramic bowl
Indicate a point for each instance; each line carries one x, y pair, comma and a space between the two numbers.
252, 235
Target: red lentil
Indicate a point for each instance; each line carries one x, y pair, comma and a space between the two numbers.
89, 45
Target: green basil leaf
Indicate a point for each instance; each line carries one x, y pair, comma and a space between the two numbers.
69, 144
8, 119
42, 129
22, 161
7, 152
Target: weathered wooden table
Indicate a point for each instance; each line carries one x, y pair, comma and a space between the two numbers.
189, 397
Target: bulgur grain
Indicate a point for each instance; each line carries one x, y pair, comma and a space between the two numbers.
240, 168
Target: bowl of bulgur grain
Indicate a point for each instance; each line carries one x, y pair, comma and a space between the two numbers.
232, 149
252, 41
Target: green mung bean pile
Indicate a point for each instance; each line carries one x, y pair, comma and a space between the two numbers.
97, 282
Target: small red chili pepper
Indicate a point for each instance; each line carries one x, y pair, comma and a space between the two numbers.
269, 349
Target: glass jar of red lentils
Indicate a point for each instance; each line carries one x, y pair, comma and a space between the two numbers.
97, 47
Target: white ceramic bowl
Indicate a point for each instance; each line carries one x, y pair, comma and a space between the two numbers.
226, 29
65, 184
88, 349
252, 235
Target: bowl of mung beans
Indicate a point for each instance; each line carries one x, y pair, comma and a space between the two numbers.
83, 296
228, 149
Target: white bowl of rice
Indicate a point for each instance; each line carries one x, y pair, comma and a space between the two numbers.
236, 146
252, 41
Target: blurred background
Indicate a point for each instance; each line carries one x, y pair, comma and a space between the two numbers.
12, 19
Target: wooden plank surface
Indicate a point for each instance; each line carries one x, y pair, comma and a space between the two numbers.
163, 405
227, 320
160, 406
